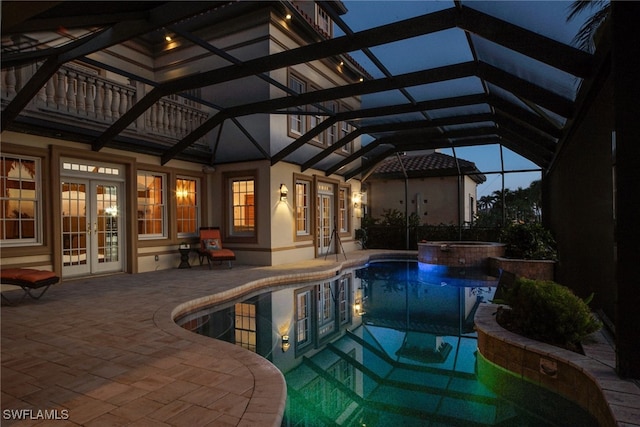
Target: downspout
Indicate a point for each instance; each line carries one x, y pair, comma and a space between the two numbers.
504, 207
460, 215
406, 201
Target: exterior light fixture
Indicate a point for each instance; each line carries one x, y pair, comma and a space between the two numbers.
283, 192
285, 343
361, 79
288, 17
167, 38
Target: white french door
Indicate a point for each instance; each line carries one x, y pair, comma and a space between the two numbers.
325, 224
91, 226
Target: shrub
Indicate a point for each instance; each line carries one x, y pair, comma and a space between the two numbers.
528, 241
549, 312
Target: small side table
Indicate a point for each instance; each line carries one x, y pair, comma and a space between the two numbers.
184, 258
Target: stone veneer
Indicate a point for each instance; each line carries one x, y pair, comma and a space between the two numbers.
459, 254
530, 268
587, 379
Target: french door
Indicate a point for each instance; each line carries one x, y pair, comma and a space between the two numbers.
325, 224
91, 226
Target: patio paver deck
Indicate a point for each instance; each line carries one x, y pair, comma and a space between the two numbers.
106, 351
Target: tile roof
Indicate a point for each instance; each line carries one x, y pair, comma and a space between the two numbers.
425, 165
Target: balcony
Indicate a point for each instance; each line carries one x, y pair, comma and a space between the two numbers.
83, 99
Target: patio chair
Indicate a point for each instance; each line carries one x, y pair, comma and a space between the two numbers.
29, 280
211, 247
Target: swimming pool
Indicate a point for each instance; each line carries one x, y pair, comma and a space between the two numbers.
390, 344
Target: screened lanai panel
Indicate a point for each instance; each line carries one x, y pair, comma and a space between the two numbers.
547, 18
433, 50
526, 68
362, 15
445, 89
459, 111
555, 119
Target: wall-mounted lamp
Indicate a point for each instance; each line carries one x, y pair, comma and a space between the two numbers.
358, 309
285, 343
283, 192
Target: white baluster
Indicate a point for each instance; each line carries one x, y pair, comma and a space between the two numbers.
154, 117
50, 90
90, 98
179, 123
80, 94
61, 92
99, 99
70, 94
106, 102
125, 101
11, 82
160, 117
115, 103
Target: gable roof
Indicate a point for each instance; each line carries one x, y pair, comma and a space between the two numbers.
426, 166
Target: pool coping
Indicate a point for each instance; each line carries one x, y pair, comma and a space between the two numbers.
589, 379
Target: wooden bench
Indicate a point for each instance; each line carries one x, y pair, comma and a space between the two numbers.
29, 280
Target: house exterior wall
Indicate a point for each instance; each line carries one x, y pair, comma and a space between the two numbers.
435, 199
275, 241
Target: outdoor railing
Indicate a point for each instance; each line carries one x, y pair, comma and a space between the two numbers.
84, 96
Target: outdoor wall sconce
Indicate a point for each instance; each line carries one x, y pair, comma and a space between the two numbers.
285, 343
357, 199
283, 192
357, 308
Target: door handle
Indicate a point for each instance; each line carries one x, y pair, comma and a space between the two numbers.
88, 228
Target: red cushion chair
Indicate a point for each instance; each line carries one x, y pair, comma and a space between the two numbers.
211, 247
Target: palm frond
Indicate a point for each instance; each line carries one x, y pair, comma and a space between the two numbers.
584, 39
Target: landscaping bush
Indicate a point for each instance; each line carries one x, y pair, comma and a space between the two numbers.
528, 241
548, 312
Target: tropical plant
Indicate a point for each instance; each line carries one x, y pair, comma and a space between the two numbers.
585, 38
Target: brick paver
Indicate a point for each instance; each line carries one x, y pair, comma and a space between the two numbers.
106, 351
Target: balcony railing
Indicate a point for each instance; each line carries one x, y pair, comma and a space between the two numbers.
82, 96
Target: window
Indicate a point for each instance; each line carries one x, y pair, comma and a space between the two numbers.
332, 131
315, 120
243, 222
323, 21
297, 121
303, 318
343, 223
152, 211
20, 221
245, 326
343, 300
345, 130
302, 208
187, 206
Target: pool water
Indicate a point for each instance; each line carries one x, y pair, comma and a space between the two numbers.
389, 344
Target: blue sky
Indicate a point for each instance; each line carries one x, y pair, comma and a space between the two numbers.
449, 47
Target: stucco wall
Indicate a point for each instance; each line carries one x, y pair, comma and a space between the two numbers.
435, 200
